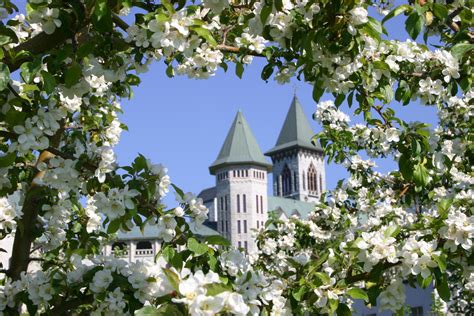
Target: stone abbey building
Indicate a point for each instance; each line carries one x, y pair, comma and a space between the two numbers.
239, 202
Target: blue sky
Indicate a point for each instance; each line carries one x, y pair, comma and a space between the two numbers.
182, 123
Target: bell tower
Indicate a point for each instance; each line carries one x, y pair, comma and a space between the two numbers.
298, 165
241, 185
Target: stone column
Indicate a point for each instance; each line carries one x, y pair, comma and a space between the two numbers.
131, 251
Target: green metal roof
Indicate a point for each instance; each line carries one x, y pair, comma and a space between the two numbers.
240, 147
296, 130
290, 206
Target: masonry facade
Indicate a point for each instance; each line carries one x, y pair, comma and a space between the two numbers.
239, 203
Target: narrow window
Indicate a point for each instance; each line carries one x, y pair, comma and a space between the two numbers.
245, 245
245, 226
286, 181
258, 224
261, 204
304, 181
226, 203
240, 244
244, 202
256, 197
238, 227
320, 183
312, 178
233, 173
247, 173
238, 203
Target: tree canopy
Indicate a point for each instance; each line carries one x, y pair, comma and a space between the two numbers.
65, 67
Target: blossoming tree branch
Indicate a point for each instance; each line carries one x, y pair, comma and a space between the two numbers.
65, 67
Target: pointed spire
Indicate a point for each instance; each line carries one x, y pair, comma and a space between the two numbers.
240, 147
296, 130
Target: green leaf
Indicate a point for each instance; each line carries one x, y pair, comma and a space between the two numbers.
392, 231
443, 288
197, 247
7, 160
441, 261
72, 75
166, 309
343, 310
460, 49
217, 240
358, 294
239, 70
398, 10
420, 175
29, 70
426, 282
172, 277
49, 82
443, 207
299, 293
170, 71
7, 36
323, 277
413, 25
317, 91
204, 33
102, 16
168, 6
266, 10
440, 11
405, 166
114, 226
216, 288
4, 76
267, 72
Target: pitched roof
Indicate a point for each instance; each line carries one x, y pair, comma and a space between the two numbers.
290, 207
240, 147
296, 131
208, 194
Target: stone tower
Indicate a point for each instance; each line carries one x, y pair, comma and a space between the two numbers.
241, 185
298, 165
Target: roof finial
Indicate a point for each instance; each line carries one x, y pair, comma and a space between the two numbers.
295, 88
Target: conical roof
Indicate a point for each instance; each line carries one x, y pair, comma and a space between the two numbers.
240, 147
296, 131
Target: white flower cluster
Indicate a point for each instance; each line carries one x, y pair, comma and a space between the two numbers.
115, 203
198, 210
327, 113
10, 210
169, 36
60, 174
46, 19
417, 257
459, 230
376, 246
193, 289
255, 43
163, 181
393, 296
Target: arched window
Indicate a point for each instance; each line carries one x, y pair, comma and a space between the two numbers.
144, 245
312, 179
286, 180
